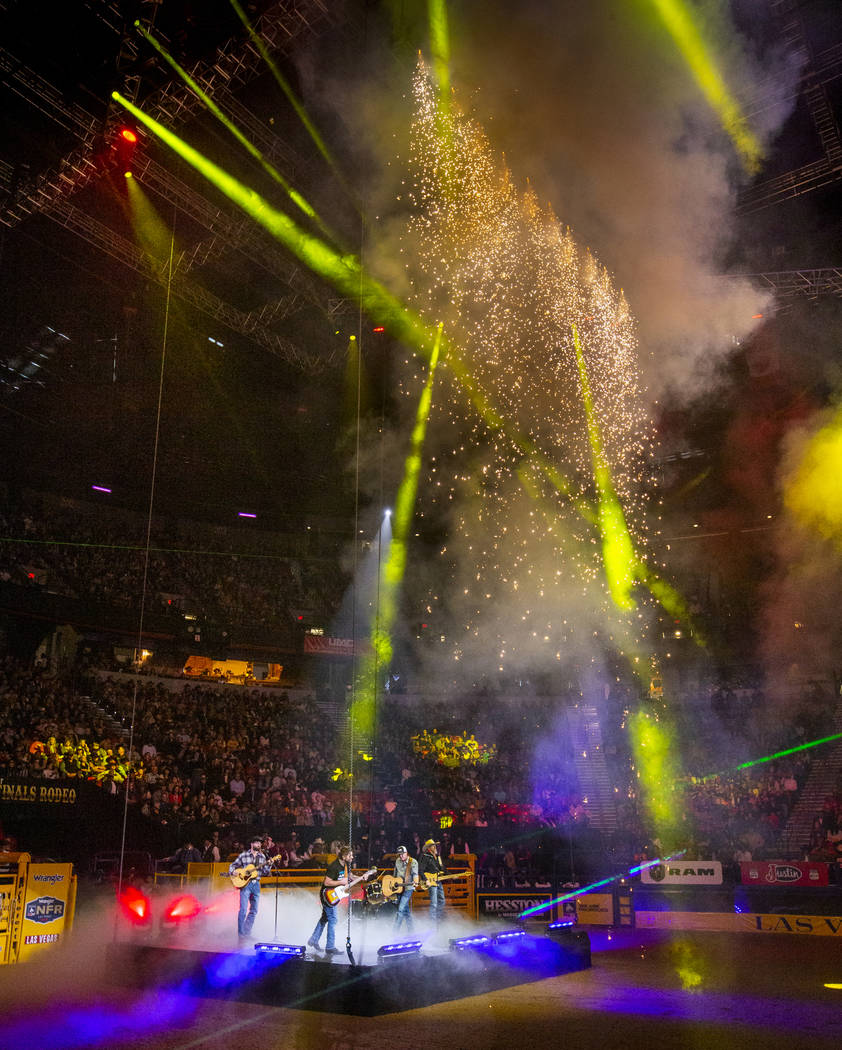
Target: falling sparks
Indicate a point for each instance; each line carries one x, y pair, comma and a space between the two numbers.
512, 287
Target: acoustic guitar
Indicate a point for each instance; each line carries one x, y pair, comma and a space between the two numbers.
243, 876
391, 885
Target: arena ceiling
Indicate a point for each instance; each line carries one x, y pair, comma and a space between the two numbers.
255, 363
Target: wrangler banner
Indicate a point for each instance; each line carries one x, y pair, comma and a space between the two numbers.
48, 907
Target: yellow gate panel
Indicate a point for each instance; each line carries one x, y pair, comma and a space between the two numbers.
49, 904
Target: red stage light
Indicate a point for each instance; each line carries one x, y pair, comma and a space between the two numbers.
135, 906
182, 909
129, 135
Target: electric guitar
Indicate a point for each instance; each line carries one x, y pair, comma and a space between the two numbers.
243, 876
332, 895
433, 878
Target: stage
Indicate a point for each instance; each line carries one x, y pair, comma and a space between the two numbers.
369, 982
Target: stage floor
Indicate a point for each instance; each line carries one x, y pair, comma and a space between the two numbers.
365, 982
700, 990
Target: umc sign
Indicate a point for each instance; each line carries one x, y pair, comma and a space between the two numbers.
45, 909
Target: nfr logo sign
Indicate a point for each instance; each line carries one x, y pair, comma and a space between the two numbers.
45, 909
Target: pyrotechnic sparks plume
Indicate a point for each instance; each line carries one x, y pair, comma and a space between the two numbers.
513, 289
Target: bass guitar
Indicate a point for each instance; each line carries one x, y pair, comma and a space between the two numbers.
332, 895
243, 876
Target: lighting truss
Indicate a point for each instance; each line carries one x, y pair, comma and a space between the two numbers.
251, 324
792, 284
236, 63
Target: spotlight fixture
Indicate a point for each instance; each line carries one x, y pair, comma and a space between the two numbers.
561, 924
392, 951
461, 944
509, 935
182, 909
296, 951
135, 906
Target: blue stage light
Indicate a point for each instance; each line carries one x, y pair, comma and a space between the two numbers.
295, 950
509, 935
561, 924
460, 944
390, 951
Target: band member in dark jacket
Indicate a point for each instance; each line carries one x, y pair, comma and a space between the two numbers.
430, 864
338, 873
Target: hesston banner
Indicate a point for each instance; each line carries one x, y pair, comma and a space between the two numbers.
491, 904
783, 873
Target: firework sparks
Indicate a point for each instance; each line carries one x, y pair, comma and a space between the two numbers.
513, 288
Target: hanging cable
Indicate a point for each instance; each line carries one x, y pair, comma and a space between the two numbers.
147, 548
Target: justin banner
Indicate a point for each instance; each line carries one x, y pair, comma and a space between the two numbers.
783, 873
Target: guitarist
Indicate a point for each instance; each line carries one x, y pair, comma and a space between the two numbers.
250, 892
430, 863
406, 869
338, 873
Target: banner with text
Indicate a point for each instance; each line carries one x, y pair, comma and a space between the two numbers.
595, 909
492, 904
684, 873
812, 925
783, 873
47, 908
320, 645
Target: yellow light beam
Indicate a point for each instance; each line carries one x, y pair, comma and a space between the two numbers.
618, 553
300, 111
345, 272
297, 198
395, 564
681, 23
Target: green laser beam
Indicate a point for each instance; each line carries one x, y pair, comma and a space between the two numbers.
129, 547
771, 758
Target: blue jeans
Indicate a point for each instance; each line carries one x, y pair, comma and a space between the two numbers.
404, 914
249, 900
329, 919
436, 903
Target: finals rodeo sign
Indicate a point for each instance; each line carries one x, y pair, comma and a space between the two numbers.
39, 792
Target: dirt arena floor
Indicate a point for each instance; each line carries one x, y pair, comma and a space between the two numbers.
702, 991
